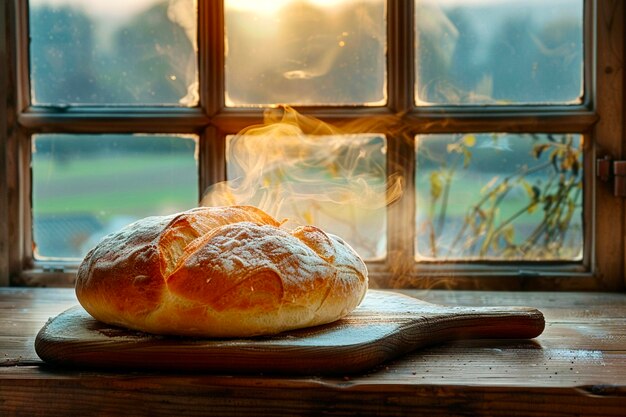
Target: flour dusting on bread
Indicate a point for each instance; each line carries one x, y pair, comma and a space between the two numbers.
220, 272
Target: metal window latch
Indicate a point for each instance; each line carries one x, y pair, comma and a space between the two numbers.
607, 169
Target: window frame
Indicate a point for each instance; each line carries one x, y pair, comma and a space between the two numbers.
599, 118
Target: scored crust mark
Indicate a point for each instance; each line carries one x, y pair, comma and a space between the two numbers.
261, 291
121, 274
220, 272
197, 223
238, 252
317, 240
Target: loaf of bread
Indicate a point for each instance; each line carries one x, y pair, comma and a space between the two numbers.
220, 272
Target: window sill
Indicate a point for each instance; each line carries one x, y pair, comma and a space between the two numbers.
576, 367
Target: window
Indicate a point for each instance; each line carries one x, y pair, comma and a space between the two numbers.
447, 151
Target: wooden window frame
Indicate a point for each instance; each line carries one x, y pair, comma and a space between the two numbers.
600, 118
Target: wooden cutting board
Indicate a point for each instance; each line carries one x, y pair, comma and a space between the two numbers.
385, 326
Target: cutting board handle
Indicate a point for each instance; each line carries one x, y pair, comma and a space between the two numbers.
485, 323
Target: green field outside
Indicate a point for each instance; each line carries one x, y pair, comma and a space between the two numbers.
139, 185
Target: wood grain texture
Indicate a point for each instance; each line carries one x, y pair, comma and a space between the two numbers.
385, 326
608, 139
167, 395
576, 367
4, 194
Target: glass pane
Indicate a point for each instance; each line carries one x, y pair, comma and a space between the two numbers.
499, 52
308, 52
140, 52
337, 183
86, 186
499, 197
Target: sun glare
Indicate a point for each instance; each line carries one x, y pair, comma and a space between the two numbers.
271, 6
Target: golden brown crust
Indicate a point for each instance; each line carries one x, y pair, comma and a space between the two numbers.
220, 272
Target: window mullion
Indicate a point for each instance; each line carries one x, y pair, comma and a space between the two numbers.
211, 55
400, 55
530, 120
401, 150
212, 159
101, 120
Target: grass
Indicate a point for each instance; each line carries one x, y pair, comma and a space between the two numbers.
138, 185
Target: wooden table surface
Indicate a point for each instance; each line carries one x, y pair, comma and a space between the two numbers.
576, 367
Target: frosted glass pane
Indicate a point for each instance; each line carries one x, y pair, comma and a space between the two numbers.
499, 52
85, 187
308, 52
140, 52
499, 197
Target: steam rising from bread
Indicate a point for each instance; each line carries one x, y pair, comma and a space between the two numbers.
274, 158
336, 177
